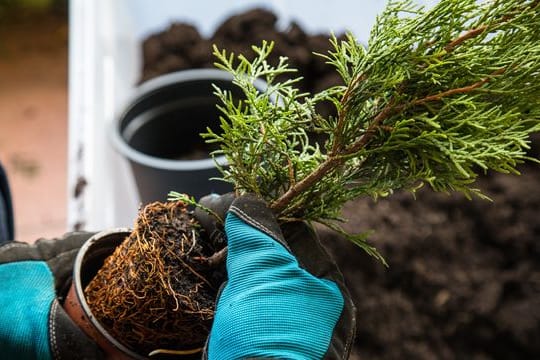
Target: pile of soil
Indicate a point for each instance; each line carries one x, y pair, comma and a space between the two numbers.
181, 47
464, 276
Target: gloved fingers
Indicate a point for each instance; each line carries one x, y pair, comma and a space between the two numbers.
254, 239
302, 242
218, 205
313, 257
251, 250
298, 237
59, 254
42, 249
255, 212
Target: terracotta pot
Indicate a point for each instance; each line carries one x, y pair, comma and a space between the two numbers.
87, 263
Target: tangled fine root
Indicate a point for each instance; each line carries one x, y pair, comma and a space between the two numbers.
152, 292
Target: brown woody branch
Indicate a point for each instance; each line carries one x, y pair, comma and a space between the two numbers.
466, 36
336, 147
337, 154
461, 90
324, 168
216, 258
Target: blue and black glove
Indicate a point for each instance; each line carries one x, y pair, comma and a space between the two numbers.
284, 298
34, 279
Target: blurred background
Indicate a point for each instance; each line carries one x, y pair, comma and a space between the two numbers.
33, 113
464, 276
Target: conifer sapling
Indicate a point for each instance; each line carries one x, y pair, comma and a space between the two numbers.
436, 97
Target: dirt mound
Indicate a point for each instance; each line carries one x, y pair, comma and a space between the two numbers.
464, 275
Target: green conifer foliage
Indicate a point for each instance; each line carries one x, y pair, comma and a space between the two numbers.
437, 97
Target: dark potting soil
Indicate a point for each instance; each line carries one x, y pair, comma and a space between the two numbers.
464, 275
156, 291
181, 47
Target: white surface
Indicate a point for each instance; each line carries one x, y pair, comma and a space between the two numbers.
105, 63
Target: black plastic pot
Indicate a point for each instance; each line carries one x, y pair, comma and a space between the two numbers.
160, 130
87, 263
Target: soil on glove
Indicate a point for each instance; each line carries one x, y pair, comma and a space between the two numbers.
464, 275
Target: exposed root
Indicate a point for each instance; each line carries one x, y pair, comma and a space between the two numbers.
151, 293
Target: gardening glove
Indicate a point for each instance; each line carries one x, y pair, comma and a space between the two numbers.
285, 297
34, 278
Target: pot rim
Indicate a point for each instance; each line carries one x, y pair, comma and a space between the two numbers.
79, 291
160, 82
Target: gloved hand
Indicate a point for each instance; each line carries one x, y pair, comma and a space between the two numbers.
285, 297
33, 324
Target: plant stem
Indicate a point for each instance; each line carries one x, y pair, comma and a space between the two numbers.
336, 147
468, 35
461, 90
217, 258
324, 168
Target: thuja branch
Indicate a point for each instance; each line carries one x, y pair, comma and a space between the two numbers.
336, 147
461, 90
437, 97
335, 160
330, 164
